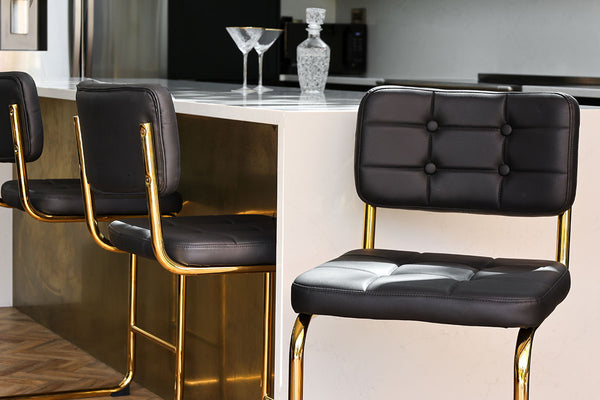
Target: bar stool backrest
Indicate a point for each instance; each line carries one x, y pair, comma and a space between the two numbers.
19, 88
110, 116
476, 152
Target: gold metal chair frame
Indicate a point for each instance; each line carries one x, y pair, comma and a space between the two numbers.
28, 207
522, 360
181, 270
23, 181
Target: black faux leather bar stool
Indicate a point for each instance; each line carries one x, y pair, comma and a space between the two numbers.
128, 143
472, 152
56, 200
49, 200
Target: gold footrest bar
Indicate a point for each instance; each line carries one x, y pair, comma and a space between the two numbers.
154, 338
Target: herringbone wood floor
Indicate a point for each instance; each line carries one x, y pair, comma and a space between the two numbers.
34, 359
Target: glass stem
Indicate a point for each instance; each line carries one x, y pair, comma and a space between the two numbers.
260, 66
245, 85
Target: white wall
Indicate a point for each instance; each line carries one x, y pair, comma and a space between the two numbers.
42, 65
297, 9
459, 38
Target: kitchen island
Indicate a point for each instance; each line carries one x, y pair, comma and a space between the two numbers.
292, 155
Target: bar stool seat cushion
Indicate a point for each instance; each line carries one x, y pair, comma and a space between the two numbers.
430, 287
64, 197
202, 240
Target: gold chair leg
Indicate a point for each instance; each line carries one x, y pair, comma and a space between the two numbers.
222, 337
123, 387
180, 340
132, 315
522, 363
268, 336
297, 356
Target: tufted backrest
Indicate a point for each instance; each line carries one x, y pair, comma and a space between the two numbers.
110, 116
477, 152
19, 88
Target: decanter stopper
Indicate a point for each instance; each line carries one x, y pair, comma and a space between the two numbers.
315, 17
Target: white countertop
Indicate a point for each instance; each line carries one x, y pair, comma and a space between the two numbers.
209, 99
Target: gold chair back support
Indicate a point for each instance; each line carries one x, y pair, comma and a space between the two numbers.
369, 227
89, 208
22, 174
563, 237
563, 234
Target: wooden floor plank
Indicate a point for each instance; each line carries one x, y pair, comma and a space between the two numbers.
34, 359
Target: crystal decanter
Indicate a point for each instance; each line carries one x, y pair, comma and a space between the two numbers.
313, 55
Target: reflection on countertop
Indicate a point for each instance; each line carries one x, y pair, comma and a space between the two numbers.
280, 98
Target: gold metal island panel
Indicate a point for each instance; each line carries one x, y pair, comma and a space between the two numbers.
67, 283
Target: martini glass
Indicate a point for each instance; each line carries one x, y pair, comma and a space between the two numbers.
267, 39
245, 38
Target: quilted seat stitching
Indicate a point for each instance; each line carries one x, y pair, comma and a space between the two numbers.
246, 244
456, 281
459, 169
354, 269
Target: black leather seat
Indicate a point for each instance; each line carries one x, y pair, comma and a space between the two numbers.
473, 152
202, 240
50, 200
442, 288
129, 143
64, 197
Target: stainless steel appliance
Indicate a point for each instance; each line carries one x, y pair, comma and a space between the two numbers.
23, 24
118, 39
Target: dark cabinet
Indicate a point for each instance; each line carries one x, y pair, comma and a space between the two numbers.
201, 49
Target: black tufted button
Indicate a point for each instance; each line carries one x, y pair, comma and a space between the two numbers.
432, 126
504, 170
506, 129
430, 168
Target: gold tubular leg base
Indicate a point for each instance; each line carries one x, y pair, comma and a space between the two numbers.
105, 391
297, 356
522, 363
75, 394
